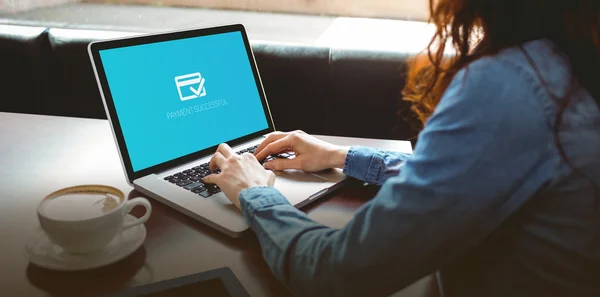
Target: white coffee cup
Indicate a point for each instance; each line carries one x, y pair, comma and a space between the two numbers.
84, 219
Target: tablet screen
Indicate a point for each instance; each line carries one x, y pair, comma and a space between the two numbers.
212, 288
213, 283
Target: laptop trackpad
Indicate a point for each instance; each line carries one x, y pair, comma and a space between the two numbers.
297, 185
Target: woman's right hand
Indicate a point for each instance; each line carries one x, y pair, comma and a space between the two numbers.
311, 153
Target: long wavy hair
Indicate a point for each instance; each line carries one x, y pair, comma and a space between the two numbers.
478, 28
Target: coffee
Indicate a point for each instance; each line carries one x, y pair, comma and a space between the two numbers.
79, 206
84, 219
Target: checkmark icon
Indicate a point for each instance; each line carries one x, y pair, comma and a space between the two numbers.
200, 87
190, 86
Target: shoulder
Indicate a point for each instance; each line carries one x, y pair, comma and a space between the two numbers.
512, 83
496, 98
537, 66
529, 64
532, 65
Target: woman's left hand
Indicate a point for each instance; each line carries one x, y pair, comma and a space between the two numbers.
238, 172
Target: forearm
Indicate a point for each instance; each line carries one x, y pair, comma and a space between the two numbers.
366, 258
278, 226
296, 248
373, 165
314, 260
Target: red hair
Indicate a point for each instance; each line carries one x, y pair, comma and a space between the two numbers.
477, 28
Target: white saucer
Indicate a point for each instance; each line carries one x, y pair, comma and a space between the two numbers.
46, 254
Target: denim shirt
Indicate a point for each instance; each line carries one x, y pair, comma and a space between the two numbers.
486, 202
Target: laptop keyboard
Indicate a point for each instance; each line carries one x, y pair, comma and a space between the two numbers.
191, 179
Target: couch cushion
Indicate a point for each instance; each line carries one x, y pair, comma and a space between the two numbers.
23, 77
73, 83
364, 94
295, 80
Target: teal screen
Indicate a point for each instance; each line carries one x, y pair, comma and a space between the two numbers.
174, 98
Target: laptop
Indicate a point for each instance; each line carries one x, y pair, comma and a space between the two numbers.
172, 98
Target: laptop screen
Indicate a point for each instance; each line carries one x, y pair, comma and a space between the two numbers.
174, 98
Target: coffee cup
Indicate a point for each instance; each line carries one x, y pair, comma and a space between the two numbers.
85, 219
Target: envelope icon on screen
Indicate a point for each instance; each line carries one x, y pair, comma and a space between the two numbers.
190, 86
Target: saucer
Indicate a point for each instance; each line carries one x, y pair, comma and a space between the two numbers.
42, 252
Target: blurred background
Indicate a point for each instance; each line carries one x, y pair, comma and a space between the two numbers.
398, 9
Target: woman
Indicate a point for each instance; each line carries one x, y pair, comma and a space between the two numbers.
501, 194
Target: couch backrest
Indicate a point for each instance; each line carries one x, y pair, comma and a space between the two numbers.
320, 90
22, 68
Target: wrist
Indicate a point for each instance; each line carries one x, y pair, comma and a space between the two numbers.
338, 157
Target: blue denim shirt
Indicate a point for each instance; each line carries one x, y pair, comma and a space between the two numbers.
485, 200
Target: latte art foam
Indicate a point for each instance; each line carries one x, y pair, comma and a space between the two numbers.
79, 206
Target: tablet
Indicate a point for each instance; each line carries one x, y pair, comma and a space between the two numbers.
215, 283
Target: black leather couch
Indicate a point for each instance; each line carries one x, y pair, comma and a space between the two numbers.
320, 90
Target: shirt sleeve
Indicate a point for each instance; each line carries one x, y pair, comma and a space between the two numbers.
373, 166
484, 152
